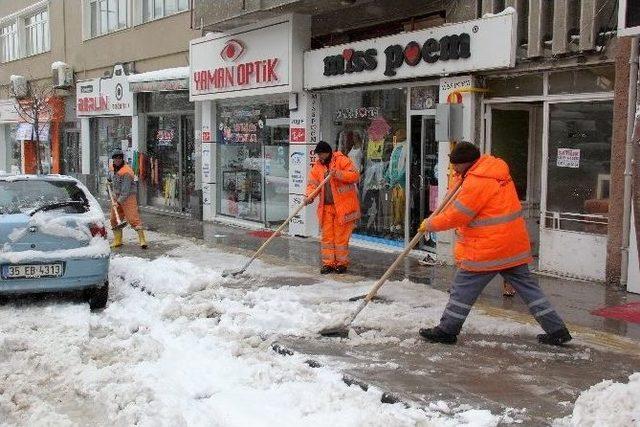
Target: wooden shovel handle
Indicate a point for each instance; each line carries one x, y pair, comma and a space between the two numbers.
454, 192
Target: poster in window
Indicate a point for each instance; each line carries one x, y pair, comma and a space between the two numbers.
241, 125
568, 158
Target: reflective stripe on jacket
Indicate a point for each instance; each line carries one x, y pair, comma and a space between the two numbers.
343, 187
491, 232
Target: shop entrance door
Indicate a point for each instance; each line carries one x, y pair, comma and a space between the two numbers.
187, 164
513, 134
423, 176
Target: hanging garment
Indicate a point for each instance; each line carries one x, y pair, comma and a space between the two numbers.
356, 156
375, 149
386, 210
398, 200
374, 175
433, 197
378, 129
349, 138
395, 174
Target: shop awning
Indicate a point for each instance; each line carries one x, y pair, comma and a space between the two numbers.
26, 132
169, 79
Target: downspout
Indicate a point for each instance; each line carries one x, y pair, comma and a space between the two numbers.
628, 167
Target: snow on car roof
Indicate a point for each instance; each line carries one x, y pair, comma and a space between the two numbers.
94, 207
49, 177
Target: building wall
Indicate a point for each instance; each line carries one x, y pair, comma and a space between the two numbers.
155, 45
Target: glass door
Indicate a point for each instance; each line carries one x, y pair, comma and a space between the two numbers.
423, 176
164, 151
276, 171
514, 137
188, 167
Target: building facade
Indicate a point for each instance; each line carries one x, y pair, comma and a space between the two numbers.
537, 84
127, 61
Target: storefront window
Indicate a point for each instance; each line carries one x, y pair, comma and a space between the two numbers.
111, 133
253, 160
163, 150
370, 127
529, 85
15, 165
71, 150
579, 166
170, 149
595, 79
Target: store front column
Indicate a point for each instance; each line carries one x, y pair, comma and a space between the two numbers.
303, 137
208, 150
448, 87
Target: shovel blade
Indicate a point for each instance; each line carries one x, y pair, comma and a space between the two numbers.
120, 226
340, 330
232, 273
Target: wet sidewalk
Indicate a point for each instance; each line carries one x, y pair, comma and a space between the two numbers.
509, 374
575, 300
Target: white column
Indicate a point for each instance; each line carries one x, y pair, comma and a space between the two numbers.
5, 146
208, 134
304, 135
85, 142
446, 239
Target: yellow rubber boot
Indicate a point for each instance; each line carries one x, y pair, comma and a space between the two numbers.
117, 239
142, 238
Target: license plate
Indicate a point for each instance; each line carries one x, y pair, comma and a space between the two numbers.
32, 271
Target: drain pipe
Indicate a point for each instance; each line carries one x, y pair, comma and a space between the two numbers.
628, 167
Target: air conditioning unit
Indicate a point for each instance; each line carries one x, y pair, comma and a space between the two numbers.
19, 86
62, 75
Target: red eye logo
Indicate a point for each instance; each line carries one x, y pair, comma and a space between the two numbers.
231, 50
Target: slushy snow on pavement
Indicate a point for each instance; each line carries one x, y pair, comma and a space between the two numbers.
179, 345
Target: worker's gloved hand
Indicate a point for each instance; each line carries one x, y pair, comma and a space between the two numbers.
307, 201
424, 226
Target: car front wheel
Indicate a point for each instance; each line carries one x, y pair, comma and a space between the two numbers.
98, 296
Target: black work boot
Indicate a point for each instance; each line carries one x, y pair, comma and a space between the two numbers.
438, 335
341, 269
559, 337
326, 269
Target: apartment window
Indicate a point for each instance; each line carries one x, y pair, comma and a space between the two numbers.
155, 9
36, 29
107, 16
9, 42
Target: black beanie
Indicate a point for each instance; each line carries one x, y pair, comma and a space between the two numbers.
464, 152
323, 147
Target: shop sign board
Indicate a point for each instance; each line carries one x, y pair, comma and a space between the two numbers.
482, 44
105, 96
241, 63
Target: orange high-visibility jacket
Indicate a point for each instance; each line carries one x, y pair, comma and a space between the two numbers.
487, 214
343, 187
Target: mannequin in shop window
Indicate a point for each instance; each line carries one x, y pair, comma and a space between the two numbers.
395, 179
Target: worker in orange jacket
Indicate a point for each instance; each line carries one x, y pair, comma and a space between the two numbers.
125, 193
491, 239
339, 208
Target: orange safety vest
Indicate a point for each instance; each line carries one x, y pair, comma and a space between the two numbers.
343, 187
487, 214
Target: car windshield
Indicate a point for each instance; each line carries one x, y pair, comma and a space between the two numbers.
24, 196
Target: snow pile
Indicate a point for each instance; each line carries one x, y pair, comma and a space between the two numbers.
607, 404
179, 73
507, 11
57, 64
166, 359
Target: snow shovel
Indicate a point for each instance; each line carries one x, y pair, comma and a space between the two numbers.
120, 224
342, 329
275, 233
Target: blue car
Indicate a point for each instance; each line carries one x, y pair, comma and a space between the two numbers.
52, 238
